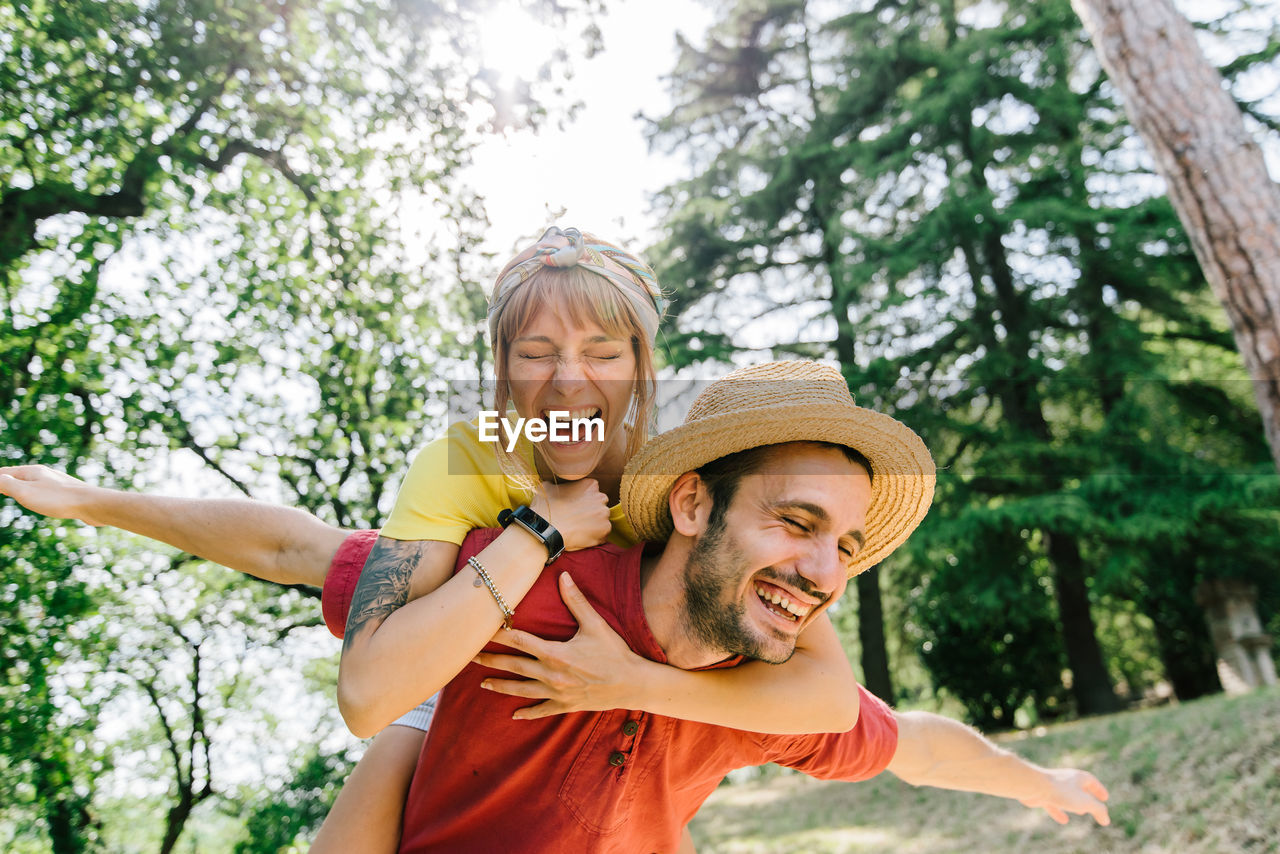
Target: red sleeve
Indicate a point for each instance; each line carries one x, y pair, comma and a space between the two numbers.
859, 754
340, 581
348, 562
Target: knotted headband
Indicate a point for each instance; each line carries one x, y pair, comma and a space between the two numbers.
633, 278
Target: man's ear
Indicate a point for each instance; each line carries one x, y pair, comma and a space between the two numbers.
689, 503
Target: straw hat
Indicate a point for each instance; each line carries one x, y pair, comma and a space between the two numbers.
794, 401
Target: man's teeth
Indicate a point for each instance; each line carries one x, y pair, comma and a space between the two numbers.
773, 596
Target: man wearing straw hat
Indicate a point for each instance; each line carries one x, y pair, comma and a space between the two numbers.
772, 494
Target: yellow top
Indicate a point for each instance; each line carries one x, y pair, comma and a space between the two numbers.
456, 483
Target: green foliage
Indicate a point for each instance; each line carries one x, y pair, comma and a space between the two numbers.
233, 248
49, 759
987, 632
277, 824
944, 198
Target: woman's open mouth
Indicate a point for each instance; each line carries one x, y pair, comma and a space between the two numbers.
574, 427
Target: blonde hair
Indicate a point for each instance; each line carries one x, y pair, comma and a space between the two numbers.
583, 297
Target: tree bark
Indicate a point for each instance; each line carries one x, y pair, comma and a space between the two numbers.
1217, 178
1090, 681
875, 657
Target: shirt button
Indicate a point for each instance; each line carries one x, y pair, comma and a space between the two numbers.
630, 728
616, 758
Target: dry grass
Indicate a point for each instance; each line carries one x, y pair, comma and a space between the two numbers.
1193, 778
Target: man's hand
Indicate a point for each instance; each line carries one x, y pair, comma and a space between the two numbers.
578, 510
593, 671
1068, 790
937, 751
50, 493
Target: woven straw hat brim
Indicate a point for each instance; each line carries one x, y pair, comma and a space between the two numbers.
903, 474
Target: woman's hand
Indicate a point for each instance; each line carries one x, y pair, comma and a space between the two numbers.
578, 510
595, 670
48, 492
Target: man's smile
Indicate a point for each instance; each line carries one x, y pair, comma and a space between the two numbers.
779, 602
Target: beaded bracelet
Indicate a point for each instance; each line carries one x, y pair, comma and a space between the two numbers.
507, 613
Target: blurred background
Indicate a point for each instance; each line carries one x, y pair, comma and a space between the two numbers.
244, 249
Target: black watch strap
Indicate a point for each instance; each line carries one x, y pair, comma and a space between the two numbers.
536, 525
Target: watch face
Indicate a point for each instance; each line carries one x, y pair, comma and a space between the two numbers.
532, 520
535, 525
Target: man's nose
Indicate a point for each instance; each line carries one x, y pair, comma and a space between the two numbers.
824, 567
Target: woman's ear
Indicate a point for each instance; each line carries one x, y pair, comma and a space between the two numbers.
689, 503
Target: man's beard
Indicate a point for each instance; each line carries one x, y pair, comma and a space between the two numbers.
712, 617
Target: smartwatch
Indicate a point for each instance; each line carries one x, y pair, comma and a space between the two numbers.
536, 525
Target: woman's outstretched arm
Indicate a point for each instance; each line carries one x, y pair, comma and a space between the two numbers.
280, 544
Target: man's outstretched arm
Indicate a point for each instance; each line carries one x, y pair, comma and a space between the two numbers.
279, 544
937, 751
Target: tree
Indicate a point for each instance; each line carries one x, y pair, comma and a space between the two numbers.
744, 100
992, 658
938, 197
197, 648
887, 92
204, 265
1216, 176
275, 823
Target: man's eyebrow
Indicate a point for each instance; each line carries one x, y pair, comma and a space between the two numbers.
815, 510
819, 512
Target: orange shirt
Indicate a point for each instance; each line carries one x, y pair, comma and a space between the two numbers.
615, 781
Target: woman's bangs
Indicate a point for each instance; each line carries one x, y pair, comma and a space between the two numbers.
577, 296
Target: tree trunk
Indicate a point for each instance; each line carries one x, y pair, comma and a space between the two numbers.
1217, 179
1022, 406
176, 820
1090, 681
1167, 595
66, 813
1186, 650
875, 658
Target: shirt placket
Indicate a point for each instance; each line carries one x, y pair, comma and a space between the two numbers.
628, 740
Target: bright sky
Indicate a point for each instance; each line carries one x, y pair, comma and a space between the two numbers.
597, 168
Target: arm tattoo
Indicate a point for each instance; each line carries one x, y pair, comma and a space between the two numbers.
384, 584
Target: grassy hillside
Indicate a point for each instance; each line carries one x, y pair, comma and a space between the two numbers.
1192, 778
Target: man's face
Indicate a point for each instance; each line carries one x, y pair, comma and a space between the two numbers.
780, 554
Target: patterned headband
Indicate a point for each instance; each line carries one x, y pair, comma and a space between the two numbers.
633, 278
